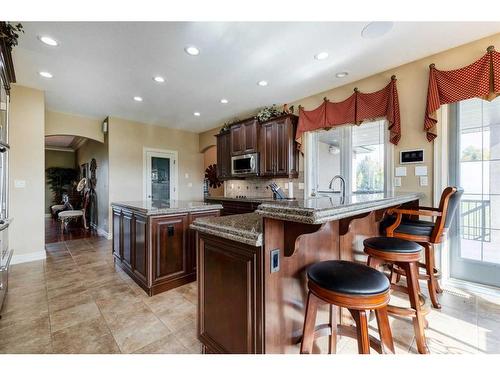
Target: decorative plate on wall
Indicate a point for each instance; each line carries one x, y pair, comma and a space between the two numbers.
211, 176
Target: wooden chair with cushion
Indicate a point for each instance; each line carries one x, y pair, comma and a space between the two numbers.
66, 216
405, 224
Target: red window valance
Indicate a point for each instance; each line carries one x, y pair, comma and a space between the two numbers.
354, 110
481, 79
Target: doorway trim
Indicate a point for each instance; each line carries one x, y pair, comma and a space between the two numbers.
172, 154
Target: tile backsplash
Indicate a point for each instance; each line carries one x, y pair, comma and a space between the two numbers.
259, 187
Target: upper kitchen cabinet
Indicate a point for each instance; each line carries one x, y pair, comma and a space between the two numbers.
244, 137
279, 156
223, 155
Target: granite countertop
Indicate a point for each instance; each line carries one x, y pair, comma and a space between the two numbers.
245, 228
246, 199
166, 207
320, 209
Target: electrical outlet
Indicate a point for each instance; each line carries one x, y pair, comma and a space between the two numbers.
301, 186
424, 181
397, 181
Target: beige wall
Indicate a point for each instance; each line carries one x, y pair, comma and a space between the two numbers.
26, 163
62, 159
127, 140
98, 150
209, 158
412, 89
207, 138
57, 123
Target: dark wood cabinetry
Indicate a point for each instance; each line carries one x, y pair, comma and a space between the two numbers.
274, 140
157, 252
235, 207
244, 137
278, 152
230, 296
223, 155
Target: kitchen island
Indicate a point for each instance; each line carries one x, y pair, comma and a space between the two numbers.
153, 244
252, 267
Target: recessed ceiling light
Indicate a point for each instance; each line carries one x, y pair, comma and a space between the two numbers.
137, 98
159, 79
321, 56
341, 74
192, 50
48, 40
197, 114
224, 101
262, 83
376, 29
45, 74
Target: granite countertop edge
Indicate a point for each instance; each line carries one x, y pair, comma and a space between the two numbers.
167, 211
234, 235
320, 216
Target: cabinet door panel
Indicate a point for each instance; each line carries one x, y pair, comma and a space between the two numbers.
128, 237
223, 156
282, 148
169, 247
237, 139
140, 250
191, 243
267, 150
117, 233
250, 136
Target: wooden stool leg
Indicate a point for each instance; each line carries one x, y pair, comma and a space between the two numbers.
332, 342
384, 330
309, 324
411, 270
429, 267
362, 330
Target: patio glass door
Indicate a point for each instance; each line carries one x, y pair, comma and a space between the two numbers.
475, 165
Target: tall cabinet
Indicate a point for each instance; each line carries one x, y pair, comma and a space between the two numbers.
7, 77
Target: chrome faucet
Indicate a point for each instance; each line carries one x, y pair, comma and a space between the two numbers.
342, 184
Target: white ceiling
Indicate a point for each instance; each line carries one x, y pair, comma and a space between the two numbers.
99, 67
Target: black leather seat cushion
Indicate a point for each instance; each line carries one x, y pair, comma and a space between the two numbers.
415, 227
392, 244
345, 277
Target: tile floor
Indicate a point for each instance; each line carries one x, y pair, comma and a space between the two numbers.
76, 301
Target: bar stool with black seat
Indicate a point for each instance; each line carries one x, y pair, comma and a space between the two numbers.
406, 255
426, 233
356, 287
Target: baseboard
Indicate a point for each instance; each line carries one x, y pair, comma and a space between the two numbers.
28, 257
101, 232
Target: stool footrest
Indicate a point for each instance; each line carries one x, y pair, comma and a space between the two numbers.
347, 331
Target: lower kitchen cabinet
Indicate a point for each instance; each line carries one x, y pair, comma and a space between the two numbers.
157, 252
236, 207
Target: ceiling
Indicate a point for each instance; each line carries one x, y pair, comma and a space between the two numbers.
69, 142
99, 67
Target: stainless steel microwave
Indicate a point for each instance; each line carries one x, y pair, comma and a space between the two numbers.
245, 165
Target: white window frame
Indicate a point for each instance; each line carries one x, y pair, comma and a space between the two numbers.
311, 160
174, 171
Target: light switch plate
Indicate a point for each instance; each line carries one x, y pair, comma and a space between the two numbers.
20, 184
421, 171
190, 184
400, 172
186, 175
397, 181
424, 181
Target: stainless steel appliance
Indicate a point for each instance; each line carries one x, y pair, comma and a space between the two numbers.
245, 165
5, 251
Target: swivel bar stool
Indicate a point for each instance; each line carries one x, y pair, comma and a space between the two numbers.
406, 255
355, 287
426, 233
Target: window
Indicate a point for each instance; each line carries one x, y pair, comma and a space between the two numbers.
360, 154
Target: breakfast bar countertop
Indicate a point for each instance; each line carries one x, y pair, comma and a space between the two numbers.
245, 228
166, 207
321, 209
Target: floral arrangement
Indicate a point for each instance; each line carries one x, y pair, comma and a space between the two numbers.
268, 113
